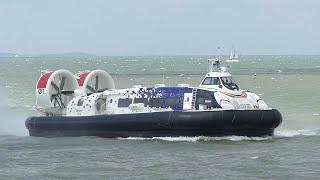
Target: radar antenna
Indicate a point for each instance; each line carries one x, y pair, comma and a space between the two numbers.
213, 64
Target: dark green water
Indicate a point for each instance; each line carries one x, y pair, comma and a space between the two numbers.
288, 83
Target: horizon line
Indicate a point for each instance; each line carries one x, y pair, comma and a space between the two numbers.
83, 54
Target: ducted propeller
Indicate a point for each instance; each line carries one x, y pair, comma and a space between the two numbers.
57, 97
95, 89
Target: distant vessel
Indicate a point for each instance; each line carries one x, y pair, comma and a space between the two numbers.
233, 56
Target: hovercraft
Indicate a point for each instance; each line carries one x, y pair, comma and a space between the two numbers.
88, 104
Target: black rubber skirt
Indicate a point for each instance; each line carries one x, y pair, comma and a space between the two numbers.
159, 124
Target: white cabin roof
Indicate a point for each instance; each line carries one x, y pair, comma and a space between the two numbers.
218, 74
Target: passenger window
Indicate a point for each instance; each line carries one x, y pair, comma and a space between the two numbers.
124, 102
171, 101
141, 100
156, 102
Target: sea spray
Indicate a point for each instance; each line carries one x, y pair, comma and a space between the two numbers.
285, 133
279, 134
11, 118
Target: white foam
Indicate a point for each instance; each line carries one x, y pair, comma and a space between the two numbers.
254, 157
295, 133
202, 138
278, 134
131, 60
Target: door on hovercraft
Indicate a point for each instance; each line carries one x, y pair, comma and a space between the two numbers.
101, 106
187, 100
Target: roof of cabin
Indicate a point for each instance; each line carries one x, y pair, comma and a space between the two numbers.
218, 74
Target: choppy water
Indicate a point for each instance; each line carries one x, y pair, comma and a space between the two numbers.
288, 83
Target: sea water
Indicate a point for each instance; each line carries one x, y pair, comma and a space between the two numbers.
288, 83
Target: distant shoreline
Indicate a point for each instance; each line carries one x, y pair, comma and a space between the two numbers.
85, 55
69, 54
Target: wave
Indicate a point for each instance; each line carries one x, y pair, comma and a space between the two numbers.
279, 134
286, 133
201, 138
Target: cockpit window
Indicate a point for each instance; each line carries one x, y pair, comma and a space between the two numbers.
229, 83
211, 81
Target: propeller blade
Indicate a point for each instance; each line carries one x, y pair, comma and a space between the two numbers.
55, 86
97, 83
61, 102
53, 96
67, 93
91, 89
56, 101
63, 80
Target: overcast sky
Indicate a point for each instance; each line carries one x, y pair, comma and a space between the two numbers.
160, 27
